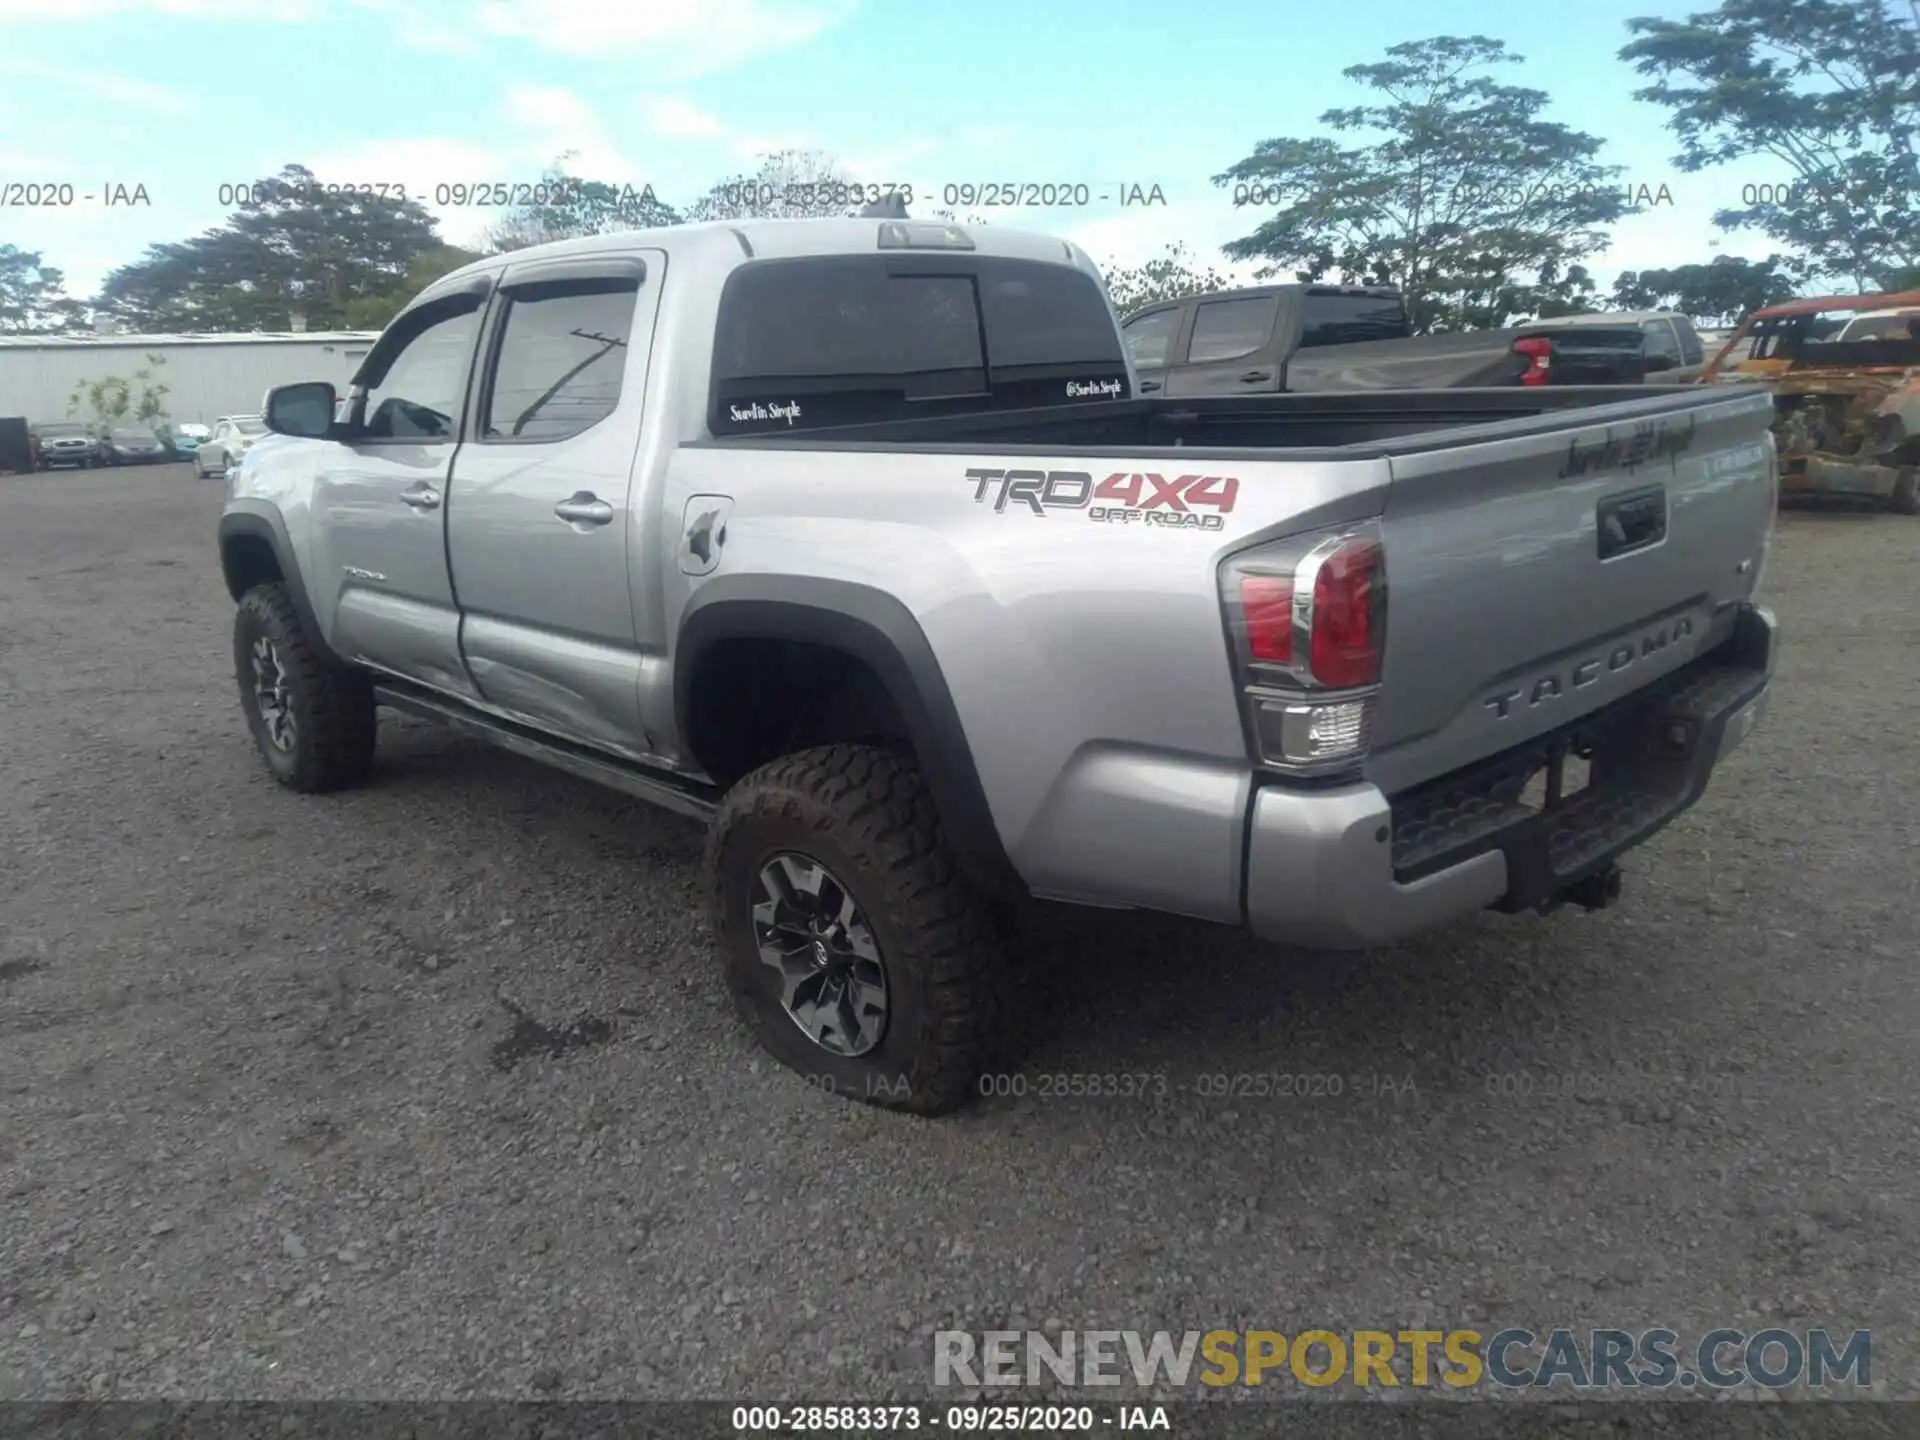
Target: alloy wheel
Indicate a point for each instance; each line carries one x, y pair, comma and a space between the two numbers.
272, 694
808, 927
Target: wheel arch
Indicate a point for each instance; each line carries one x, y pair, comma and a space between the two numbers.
875, 631
255, 549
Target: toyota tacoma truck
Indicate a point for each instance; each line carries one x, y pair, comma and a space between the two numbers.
855, 540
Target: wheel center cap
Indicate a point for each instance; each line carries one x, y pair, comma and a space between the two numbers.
820, 957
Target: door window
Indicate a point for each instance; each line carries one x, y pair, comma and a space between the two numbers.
1692, 351
1661, 341
1348, 319
1229, 329
1150, 337
563, 352
417, 395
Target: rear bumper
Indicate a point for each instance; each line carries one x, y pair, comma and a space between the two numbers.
1350, 868
1832, 475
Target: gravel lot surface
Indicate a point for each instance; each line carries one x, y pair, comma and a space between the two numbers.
430, 1090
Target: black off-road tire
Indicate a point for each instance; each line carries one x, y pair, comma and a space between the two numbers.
867, 815
334, 721
1906, 492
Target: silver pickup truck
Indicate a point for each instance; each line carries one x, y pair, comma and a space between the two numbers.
854, 539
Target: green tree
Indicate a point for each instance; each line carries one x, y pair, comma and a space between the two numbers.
137, 399
33, 298
568, 206
1830, 91
1460, 191
293, 246
374, 311
1717, 293
1174, 274
788, 185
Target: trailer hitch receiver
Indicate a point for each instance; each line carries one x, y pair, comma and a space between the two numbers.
1598, 890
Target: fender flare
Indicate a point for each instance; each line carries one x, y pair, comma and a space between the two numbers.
875, 628
257, 520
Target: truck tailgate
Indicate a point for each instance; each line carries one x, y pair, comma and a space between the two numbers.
1535, 578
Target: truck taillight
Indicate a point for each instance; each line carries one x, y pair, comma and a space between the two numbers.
1266, 604
1540, 352
1307, 620
1345, 641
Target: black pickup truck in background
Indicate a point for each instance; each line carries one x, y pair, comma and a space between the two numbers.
1304, 337
1624, 347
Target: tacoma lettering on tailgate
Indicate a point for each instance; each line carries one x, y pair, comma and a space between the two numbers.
1556, 683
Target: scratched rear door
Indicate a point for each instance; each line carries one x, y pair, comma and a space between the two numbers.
1535, 577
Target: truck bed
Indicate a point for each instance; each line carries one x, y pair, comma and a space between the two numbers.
1548, 551
1343, 425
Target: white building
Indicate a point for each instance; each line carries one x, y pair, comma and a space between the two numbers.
207, 376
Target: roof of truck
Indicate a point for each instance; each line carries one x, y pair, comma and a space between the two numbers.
778, 239
1607, 317
1815, 304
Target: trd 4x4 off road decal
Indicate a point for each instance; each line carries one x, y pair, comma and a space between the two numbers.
1120, 499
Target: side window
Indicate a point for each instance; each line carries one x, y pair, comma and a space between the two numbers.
1350, 319
1150, 337
1660, 339
562, 353
1228, 329
1692, 352
418, 395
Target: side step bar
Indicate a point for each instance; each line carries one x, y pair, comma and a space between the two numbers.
656, 787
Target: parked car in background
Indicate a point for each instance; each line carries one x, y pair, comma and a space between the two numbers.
232, 437
1846, 395
131, 445
16, 446
64, 445
1267, 339
184, 438
1620, 347
1881, 325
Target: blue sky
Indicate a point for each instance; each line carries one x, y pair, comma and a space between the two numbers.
181, 96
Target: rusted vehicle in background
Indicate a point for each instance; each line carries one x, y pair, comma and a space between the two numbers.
1846, 395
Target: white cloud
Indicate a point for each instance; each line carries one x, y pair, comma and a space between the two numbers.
558, 122
102, 85
677, 119
903, 163
673, 38
424, 26
1134, 234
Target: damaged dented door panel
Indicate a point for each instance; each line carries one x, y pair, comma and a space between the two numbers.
379, 578
540, 526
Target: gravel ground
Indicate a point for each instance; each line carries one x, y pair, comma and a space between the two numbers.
431, 1091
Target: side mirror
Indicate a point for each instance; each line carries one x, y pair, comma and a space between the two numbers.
304, 410
1659, 362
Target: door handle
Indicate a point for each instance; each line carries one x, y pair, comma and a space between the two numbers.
1146, 385
1253, 375
421, 496
584, 507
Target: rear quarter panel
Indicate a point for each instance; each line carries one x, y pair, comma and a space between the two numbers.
1084, 658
